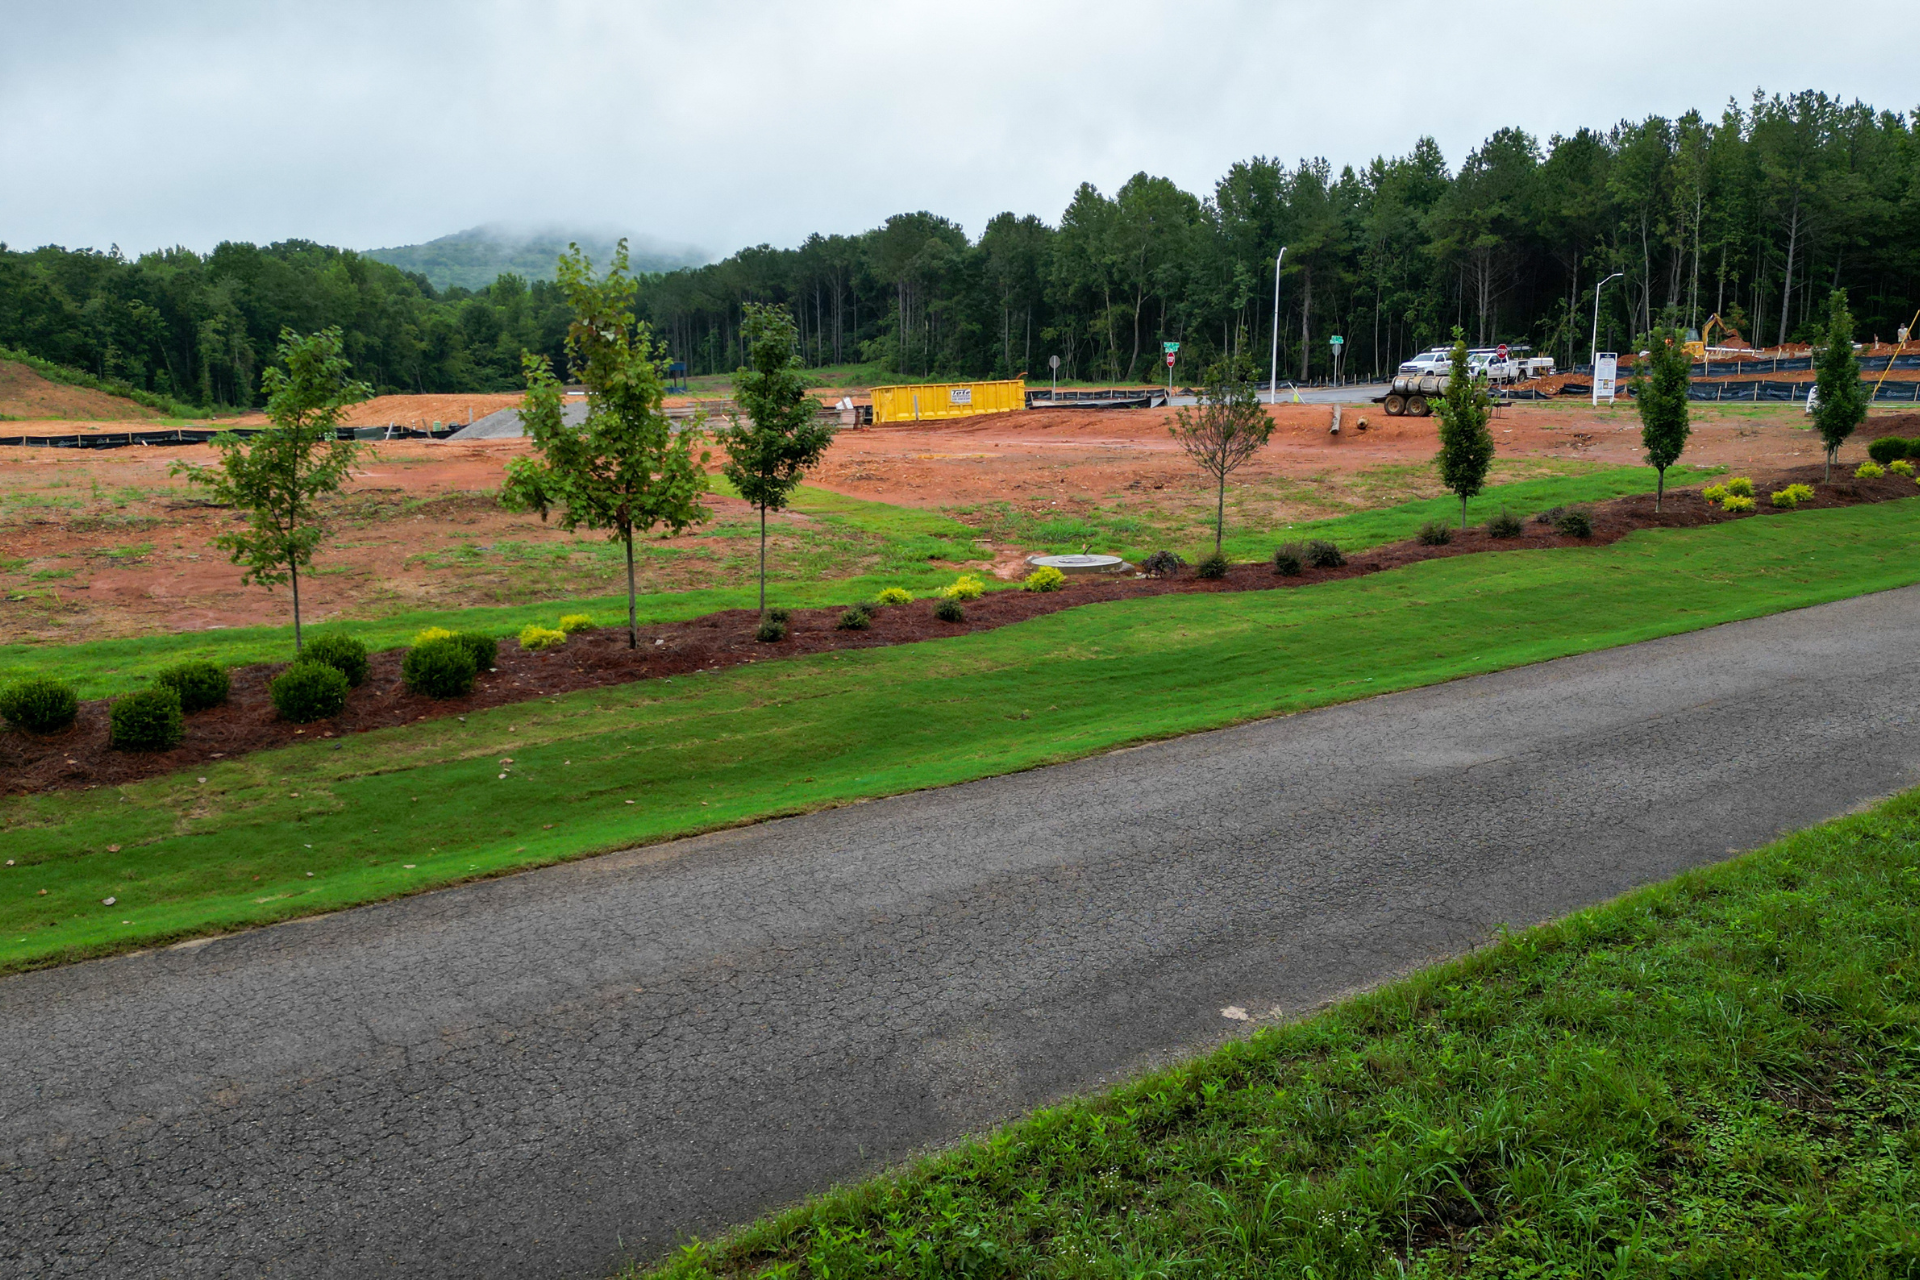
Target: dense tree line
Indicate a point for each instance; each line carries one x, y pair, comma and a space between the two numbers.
1754, 215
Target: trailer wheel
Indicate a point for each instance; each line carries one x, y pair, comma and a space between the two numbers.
1395, 406
1418, 406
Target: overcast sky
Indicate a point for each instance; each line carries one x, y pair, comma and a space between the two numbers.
722, 123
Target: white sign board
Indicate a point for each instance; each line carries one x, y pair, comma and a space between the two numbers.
1606, 371
959, 395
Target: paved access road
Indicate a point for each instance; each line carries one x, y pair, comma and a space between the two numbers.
524, 1077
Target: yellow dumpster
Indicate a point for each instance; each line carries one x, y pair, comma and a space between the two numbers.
933, 400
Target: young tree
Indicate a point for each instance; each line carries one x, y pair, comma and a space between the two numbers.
782, 435
1223, 430
1466, 446
278, 476
623, 469
1661, 397
1842, 402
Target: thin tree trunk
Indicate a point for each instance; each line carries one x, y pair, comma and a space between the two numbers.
1659, 488
763, 562
1463, 513
293, 567
1220, 514
633, 621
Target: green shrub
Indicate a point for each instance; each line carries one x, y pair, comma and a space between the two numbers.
1289, 559
147, 720
444, 668
894, 595
1740, 487
949, 610
777, 614
854, 619
1045, 578
1714, 493
772, 631
1322, 554
533, 638
485, 649
432, 633
343, 653
1890, 449
965, 587
1738, 502
39, 704
1869, 471
1162, 564
569, 623
309, 691
199, 685
1435, 533
1573, 524
1901, 467
1791, 496
1212, 567
1506, 525
1550, 516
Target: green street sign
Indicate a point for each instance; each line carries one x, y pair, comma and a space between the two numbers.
1169, 347
1336, 340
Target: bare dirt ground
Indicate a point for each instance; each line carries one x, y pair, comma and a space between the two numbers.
106, 543
25, 396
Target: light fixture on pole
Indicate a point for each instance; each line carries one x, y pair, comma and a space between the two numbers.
1273, 357
1595, 345
1604, 373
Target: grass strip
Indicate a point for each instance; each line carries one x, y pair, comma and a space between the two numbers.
329, 824
1716, 1076
105, 668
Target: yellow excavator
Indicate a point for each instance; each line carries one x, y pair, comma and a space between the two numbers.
1698, 350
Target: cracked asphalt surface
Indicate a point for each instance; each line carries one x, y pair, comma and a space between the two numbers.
541, 1075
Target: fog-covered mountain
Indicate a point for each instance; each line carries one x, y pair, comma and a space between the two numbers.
474, 258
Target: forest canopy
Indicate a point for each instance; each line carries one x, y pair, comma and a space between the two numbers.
1755, 215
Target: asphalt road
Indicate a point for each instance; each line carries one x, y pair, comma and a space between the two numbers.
525, 1078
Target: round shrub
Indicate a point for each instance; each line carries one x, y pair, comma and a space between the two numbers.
1550, 516
771, 631
343, 653
1435, 533
1505, 525
1738, 502
485, 648
150, 720
855, 619
1784, 500
1869, 471
894, 595
1901, 467
1714, 493
441, 668
1573, 524
431, 633
1740, 487
949, 610
1289, 560
1322, 554
1045, 578
39, 704
533, 638
1213, 567
965, 587
1889, 449
199, 685
778, 614
309, 691
569, 623
1162, 564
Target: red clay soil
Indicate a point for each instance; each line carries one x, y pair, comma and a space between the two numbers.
79, 757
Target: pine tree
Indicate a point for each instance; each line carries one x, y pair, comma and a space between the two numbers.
1466, 446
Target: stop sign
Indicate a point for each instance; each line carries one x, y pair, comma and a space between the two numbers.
1503, 351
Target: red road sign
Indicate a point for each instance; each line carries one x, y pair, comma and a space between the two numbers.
1502, 351
1169, 359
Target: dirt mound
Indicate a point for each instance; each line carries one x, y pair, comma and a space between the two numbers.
25, 394
80, 757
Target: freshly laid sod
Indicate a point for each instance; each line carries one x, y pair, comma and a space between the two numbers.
921, 547
329, 824
1717, 1076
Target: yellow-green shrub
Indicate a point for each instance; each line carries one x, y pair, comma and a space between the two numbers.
1791, 496
1714, 493
573, 622
1800, 492
1740, 487
894, 595
1870, 470
1045, 578
1739, 502
1900, 466
965, 587
536, 637
432, 633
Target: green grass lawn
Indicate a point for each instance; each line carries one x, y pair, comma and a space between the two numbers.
1713, 1077
328, 824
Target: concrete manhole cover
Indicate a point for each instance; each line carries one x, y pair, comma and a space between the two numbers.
1080, 564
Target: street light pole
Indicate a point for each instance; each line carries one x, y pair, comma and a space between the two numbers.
1594, 354
1273, 357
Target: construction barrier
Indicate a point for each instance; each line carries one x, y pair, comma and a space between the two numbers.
200, 435
931, 401
1757, 390
1131, 398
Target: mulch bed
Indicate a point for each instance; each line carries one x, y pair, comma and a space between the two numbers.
79, 757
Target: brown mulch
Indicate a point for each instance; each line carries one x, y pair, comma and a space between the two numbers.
80, 757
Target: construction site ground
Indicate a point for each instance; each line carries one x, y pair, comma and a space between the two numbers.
109, 543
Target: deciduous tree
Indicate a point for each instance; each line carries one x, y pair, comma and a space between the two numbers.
1466, 446
1841, 401
1226, 428
278, 476
1661, 398
624, 469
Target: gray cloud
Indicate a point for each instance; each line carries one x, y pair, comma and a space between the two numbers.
731, 123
